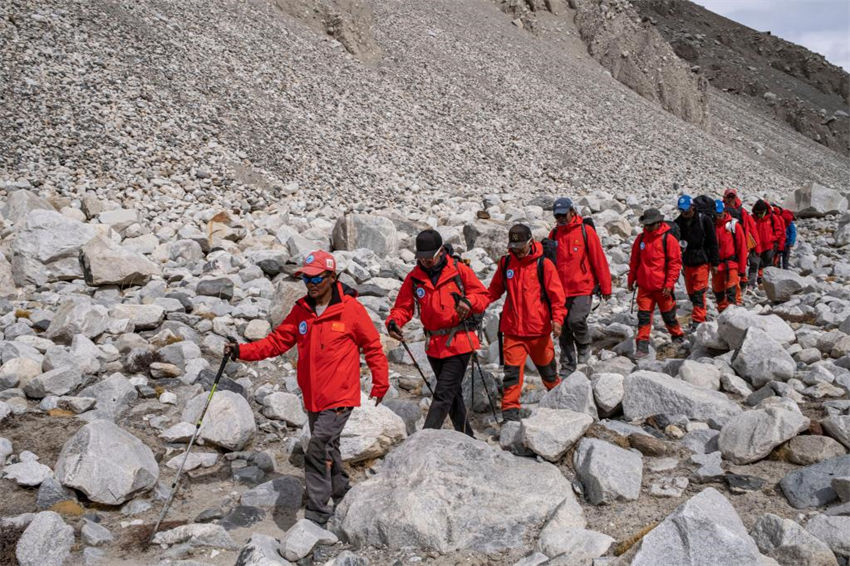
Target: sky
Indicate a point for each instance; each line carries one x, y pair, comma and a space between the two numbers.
823, 26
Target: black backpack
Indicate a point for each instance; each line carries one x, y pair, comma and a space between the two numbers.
704, 205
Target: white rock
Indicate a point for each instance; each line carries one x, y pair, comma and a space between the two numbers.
750, 436
285, 407
229, 421
302, 537
551, 432
607, 472
45, 526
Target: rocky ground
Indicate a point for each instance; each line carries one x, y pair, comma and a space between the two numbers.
165, 167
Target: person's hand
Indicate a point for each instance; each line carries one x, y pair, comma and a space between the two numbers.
394, 330
667, 292
463, 308
377, 399
631, 286
556, 329
606, 297
231, 349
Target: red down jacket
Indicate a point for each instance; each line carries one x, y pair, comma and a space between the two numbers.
731, 243
581, 266
328, 350
646, 264
525, 312
437, 306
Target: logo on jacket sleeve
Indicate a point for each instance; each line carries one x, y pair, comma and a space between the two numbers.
302, 327
510, 274
420, 292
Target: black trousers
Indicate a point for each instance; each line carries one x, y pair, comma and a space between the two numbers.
575, 331
448, 394
323, 471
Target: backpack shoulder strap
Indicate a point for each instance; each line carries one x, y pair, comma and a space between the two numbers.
458, 279
542, 279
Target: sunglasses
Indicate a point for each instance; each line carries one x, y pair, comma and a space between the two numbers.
436, 253
314, 280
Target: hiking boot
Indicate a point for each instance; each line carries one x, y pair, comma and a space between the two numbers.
678, 340
510, 415
642, 349
693, 326
583, 353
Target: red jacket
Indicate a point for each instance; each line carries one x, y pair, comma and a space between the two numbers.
740, 213
779, 218
771, 230
328, 351
437, 306
581, 266
525, 312
646, 264
731, 243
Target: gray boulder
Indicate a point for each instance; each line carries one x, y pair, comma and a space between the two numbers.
46, 248
573, 545
760, 359
607, 391
77, 316
229, 421
114, 396
815, 201
789, 544
302, 537
46, 541
648, 393
834, 531
812, 485
106, 263
549, 433
698, 374
21, 202
18, 370
808, 449
197, 535
376, 233
574, 393
284, 407
143, 317
705, 530
261, 550
107, 463
750, 436
59, 381
733, 323
781, 284
838, 427
442, 490
607, 472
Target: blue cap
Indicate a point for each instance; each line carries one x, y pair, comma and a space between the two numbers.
718, 206
685, 202
562, 206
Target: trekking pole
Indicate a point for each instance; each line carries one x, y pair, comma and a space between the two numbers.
632, 306
416, 365
472, 366
176, 481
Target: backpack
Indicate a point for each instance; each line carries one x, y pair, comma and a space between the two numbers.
544, 296
704, 205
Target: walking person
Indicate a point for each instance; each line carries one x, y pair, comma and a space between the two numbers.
733, 205
446, 293
330, 329
732, 249
699, 258
532, 314
771, 235
654, 266
583, 269
790, 233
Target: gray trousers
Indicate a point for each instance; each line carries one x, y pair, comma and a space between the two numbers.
574, 333
323, 471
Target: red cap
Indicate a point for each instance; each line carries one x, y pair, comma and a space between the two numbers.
730, 192
317, 262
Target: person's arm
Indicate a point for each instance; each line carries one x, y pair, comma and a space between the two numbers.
674, 262
276, 343
598, 261
555, 291
711, 249
368, 340
633, 262
497, 284
476, 292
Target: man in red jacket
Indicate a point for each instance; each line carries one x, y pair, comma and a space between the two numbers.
654, 267
445, 292
736, 210
583, 269
329, 327
533, 309
771, 234
732, 250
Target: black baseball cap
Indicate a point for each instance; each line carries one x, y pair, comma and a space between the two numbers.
518, 236
427, 243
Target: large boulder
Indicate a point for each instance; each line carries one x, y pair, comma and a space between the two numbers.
733, 323
838, 427
369, 433
549, 433
21, 202
105, 263
607, 472
815, 201
705, 530
143, 317
59, 381
229, 421
114, 396
781, 284
354, 231
751, 436
46, 541
812, 486
77, 315
648, 393
46, 248
574, 393
834, 531
761, 359
789, 544
108, 464
444, 491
